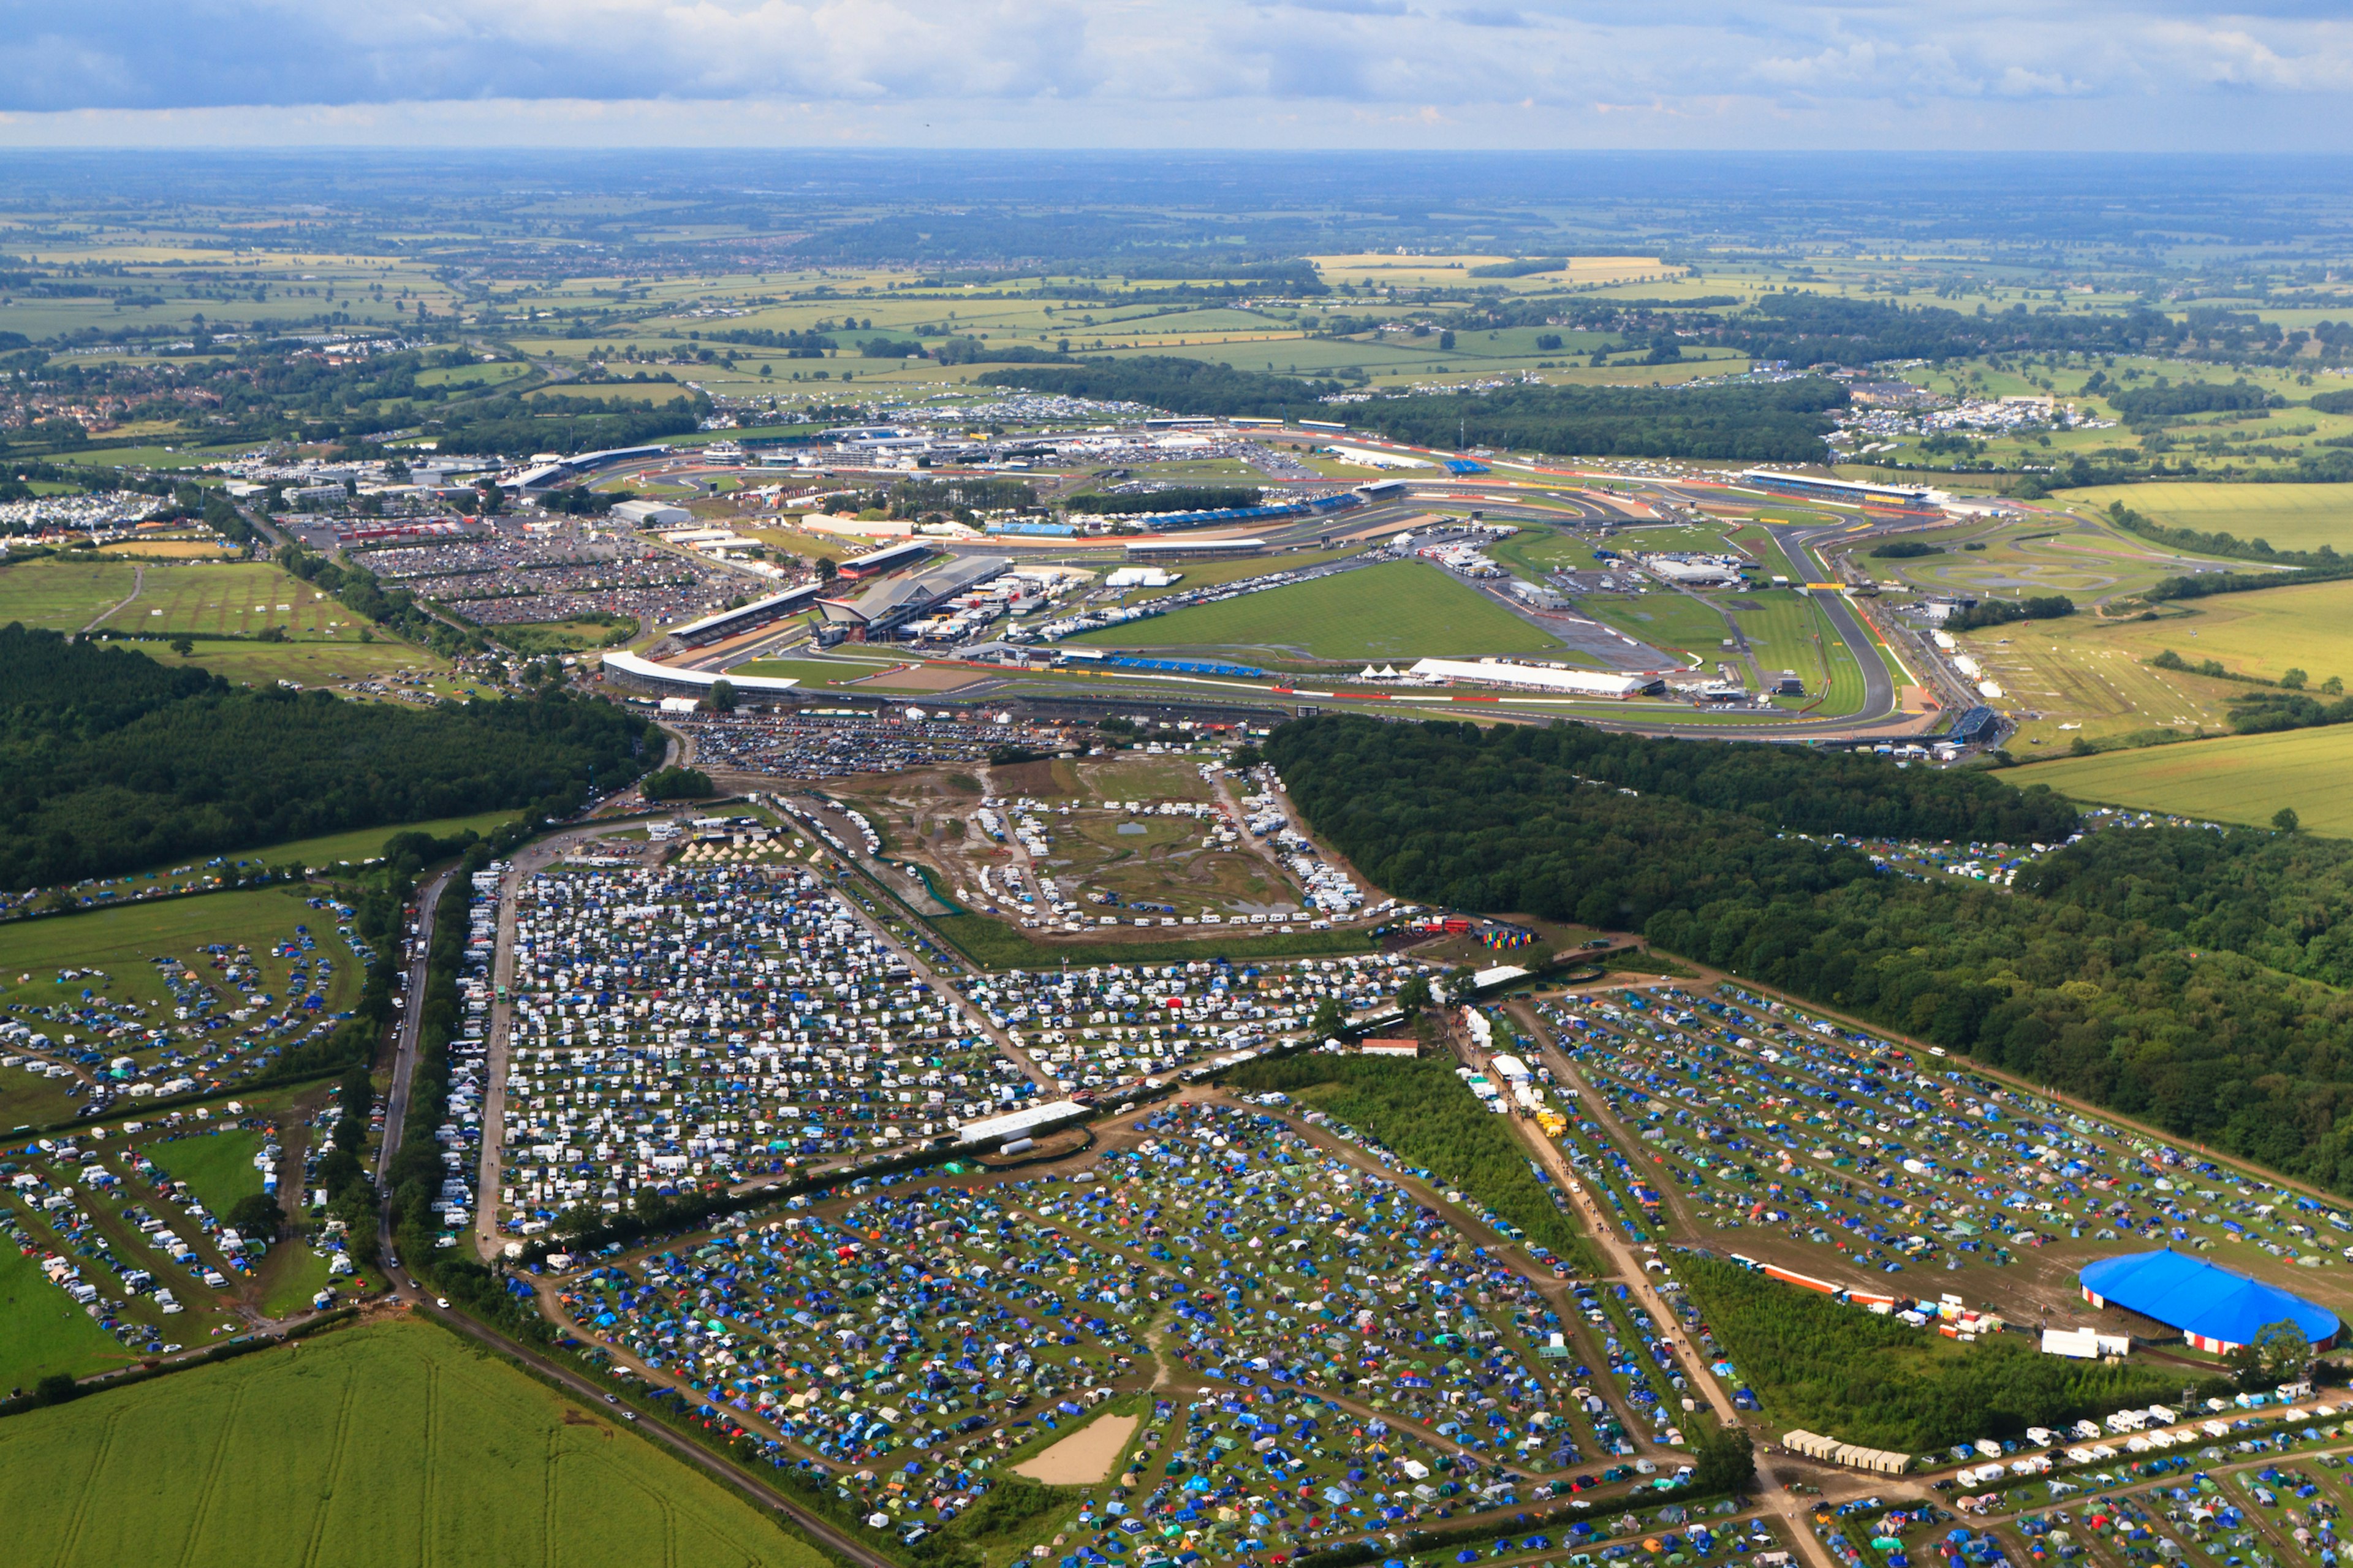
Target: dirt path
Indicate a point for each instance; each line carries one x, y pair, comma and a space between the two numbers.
138, 581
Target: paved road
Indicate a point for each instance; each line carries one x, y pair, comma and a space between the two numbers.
404, 1060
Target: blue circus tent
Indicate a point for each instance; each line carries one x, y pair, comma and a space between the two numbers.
2215, 1307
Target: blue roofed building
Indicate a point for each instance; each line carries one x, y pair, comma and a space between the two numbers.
2216, 1309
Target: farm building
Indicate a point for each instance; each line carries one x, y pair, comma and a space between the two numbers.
2215, 1308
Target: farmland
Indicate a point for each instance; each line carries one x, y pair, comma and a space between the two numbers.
232, 599
2241, 778
1396, 610
63, 594
393, 1443
2288, 516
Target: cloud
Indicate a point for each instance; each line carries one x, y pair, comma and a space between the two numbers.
2139, 72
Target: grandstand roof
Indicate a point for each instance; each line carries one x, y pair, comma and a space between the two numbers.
2202, 1298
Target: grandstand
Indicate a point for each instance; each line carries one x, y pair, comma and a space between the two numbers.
745, 618
1878, 498
2216, 1310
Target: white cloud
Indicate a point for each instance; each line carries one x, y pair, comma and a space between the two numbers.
1201, 72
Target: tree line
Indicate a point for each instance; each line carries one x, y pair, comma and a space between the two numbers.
2171, 991
110, 762
1835, 1368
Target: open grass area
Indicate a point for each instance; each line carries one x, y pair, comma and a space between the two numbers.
1665, 619
114, 954
43, 1333
62, 593
2292, 517
2065, 677
1399, 609
2265, 633
218, 1165
2240, 778
234, 598
1211, 573
394, 1444
344, 662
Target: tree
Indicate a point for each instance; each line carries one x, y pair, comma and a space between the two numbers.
723, 696
184, 647
677, 783
2292, 679
2280, 1352
2286, 820
1248, 757
1413, 996
56, 1388
828, 569
257, 1214
1329, 1019
1459, 982
1726, 1461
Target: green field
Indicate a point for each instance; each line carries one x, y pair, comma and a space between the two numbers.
42, 1333
218, 1166
394, 1444
2241, 778
2291, 517
120, 944
63, 594
1211, 573
1665, 619
2264, 634
366, 842
1400, 609
238, 599
339, 662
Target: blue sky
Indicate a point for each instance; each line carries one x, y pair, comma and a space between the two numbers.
2104, 75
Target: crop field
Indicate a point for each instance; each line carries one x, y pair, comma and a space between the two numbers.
1402, 609
237, 598
207, 988
393, 1443
2264, 634
2291, 517
2240, 778
62, 594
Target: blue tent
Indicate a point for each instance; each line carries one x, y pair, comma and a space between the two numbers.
2218, 1309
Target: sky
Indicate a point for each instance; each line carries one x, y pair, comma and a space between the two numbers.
2007, 75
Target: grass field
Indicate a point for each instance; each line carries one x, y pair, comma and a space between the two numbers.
2094, 679
238, 599
1665, 619
1212, 573
62, 594
2292, 517
218, 1166
1400, 609
41, 1332
337, 663
2241, 778
121, 946
393, 1443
